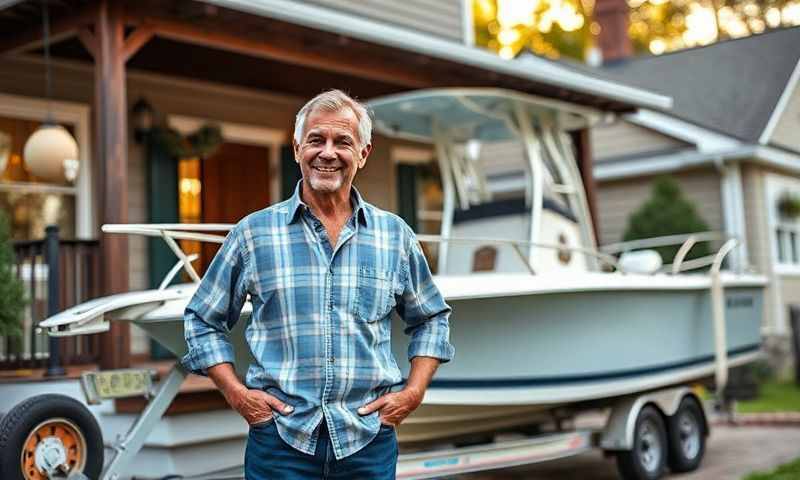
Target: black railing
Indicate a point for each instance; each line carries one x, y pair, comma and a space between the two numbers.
76, 264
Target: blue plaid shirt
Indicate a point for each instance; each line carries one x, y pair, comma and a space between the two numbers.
320, 328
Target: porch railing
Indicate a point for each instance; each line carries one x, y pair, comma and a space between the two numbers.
76, 264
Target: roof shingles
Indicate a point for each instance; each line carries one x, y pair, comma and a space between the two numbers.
731, 86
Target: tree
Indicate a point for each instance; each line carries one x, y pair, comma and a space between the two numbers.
658, 26
667, 212
550, 28
556, 28
12, 292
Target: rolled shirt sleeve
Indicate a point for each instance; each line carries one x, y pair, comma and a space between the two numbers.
423, 308
216, 306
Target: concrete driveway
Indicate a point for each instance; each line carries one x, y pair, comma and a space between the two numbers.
731, 453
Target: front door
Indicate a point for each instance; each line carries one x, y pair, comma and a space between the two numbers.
235, 183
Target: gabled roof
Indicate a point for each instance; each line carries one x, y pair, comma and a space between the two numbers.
731, 86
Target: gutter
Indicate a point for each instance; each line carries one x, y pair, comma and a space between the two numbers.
533, 69
761, 155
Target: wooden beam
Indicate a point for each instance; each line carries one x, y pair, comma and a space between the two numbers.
88, 40
111, 136
60, 29
136, 40
280, 49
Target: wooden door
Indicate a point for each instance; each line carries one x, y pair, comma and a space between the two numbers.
235, 183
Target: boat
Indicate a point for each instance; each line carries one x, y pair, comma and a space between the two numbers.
543, 320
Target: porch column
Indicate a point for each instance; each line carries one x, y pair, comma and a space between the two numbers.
111, 132
583, 150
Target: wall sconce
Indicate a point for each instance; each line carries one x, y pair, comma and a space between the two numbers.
142, 119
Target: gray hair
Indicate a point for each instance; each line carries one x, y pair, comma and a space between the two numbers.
333, 101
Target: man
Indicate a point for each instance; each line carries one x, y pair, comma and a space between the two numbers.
323, 270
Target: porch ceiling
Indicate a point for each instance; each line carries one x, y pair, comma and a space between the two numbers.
204, 41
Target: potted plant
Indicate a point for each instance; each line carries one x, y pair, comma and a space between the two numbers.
789, 205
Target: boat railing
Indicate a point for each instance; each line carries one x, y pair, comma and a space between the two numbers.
662, 241
200, 232
687, 241
606, 255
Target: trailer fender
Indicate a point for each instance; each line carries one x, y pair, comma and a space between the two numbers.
619, 430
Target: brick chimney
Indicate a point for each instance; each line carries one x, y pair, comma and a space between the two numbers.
614, 43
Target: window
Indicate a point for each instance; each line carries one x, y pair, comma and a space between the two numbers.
29, 202
784, 221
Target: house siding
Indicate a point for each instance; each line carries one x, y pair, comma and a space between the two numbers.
785, 133
617, 200
621, 138
443, 18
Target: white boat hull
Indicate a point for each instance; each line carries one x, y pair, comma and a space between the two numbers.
560, 341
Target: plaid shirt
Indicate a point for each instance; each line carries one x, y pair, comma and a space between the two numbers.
320, 328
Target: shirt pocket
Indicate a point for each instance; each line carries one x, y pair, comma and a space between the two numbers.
375, 294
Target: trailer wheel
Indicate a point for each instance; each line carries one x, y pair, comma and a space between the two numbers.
687, 439
47, 435
648, 457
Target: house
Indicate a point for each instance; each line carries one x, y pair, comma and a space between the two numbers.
731, 142
246, 67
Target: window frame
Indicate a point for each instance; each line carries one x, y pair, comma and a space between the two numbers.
77, 115
782, 262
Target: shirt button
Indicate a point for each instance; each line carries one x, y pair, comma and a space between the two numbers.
331, 359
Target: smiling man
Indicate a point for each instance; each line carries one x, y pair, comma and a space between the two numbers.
324, 271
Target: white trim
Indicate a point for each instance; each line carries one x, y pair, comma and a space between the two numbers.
246, 134
411, 155
235, 132
29, 187
787, 270
651, 165
780, 107
77, 115
733, 212
535, 69
705, 140
467, 23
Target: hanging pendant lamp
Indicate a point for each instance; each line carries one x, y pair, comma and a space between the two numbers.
51, 153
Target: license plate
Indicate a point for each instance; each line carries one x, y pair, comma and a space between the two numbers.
110, 384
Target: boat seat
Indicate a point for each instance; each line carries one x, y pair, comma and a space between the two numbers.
646, 262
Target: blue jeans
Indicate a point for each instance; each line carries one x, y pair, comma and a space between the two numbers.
268, 457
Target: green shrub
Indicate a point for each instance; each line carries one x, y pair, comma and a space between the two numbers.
667, 212
12, 292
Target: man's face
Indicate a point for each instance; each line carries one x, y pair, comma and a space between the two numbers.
330, 153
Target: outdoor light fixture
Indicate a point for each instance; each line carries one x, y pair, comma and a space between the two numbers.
51, 153
143, 119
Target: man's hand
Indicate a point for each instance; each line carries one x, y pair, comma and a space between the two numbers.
394, 407
256, 406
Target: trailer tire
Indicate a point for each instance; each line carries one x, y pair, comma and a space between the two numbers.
647, 459
56, 425
687, 438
